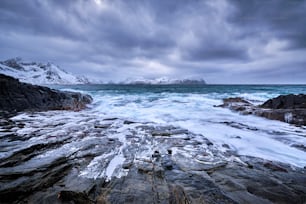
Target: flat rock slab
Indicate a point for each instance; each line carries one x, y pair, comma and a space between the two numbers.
51, 158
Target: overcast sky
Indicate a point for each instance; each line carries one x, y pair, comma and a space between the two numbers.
222, 41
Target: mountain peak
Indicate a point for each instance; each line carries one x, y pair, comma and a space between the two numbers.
39, 73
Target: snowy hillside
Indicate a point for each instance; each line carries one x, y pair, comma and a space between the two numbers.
39, 73
163, 80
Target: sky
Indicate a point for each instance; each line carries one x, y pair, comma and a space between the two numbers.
221, 41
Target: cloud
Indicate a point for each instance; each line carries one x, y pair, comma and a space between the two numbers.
113, 40
273, 18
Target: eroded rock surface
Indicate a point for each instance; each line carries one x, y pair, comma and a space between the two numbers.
78, 157
17, 96
287, 108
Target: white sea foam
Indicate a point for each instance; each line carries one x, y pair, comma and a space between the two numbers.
116, 162
248, 135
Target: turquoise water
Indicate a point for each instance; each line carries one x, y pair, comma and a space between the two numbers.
199, 89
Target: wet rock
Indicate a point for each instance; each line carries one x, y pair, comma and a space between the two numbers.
17, 96
159, 184
230, 101
261, 184
169, 151
161, 133
177, 195
110, 119
127, 122
290, 101
287, 108
239, 125
121, 163
238, 104
300, 146
102, 126
76, 197
226, 146
145, 167
168, 165
167, 131
21, 185
156, 154
127, 165
209, 143
274, 167
22, 155
292, 116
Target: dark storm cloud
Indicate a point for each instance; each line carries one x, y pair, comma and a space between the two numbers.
215, 51
215, 39
280, 18
36, 17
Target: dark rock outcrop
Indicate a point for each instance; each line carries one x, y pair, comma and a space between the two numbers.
290, 101
287, 108
13, 63
17, 96
237, 104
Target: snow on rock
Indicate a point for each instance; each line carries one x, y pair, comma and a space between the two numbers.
164, 80
39, 73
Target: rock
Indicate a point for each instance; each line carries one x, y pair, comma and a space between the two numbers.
17, 96
226, 146
274, 167
230, 101
261, 184
127, 122
290, 101
59, 165
22, 184
13, 63
300, 146
169, 151
156, 154
287, 108
237, 104
76, 197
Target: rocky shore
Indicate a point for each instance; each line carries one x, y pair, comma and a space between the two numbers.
85, 157
78, 157
287, 108
16, 96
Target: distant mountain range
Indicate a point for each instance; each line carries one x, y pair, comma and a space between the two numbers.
163, 81
49, 73
39, 73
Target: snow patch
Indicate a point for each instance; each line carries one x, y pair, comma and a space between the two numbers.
39, 73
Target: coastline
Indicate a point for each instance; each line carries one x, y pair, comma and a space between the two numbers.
87, 156
77, 157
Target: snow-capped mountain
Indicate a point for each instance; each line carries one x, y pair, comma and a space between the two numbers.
39, 73
163, 80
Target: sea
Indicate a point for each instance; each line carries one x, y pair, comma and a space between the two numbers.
194, 107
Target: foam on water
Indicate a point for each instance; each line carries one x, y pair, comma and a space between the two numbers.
195, 111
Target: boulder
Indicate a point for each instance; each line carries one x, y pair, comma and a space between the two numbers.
18, 96
290, 101
287, 108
